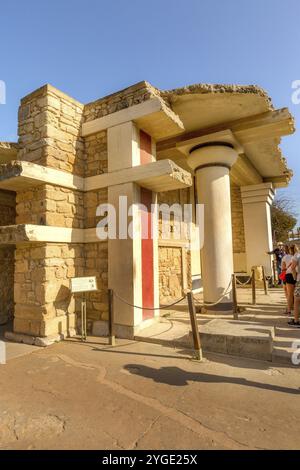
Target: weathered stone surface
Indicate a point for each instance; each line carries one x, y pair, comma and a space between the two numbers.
238, 233
238, 338
49, 130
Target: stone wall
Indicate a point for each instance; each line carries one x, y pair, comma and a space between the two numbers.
49, 134
92, 199
96, 154
96, 263
7, 217
123, 99
6, 284
49, 130
50, 205
178, 196
96, 259
174, 272
44, 304
170, 273
238, 233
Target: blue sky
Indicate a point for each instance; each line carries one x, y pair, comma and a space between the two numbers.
92, 48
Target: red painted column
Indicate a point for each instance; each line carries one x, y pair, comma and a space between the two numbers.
147, 243
145, 148
147, 254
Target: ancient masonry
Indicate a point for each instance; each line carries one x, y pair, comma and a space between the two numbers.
72, 157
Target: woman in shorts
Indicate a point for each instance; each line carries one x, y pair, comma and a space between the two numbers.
286, 260
290, 282
296, 274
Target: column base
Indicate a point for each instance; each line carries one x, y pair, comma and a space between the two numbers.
225, 308
100, 328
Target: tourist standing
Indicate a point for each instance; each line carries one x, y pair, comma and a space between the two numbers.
296, 274
289, 281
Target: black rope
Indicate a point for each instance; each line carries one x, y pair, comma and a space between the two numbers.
148, 308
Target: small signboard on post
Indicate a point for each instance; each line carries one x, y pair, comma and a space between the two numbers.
83, 285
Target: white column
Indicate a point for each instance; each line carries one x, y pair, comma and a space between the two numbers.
212, 164
257, 200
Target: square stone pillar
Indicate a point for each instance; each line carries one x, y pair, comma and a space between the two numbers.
257, 200
132, 261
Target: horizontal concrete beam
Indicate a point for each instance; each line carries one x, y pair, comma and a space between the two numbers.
20, 175
152, 116
27, 233
271, 124
163, 175
244, 173
278, 181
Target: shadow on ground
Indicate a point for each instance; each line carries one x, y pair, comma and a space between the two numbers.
178, 377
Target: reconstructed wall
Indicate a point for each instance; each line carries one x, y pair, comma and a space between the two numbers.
49, 135
96, 263
130, 96
44, 304
174, 261
238, 231
7, 217
50, 205
49, 130
95, 154
170, 273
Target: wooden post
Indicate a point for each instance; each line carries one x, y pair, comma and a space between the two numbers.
194, 324
111, 319
234, 298
253, 284
265, 281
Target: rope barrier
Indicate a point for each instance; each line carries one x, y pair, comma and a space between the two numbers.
220, 298
244, 283
148, 308
173, 303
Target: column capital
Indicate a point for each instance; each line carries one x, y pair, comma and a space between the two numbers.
212, 154
255, 193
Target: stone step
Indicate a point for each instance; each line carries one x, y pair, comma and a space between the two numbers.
245, 339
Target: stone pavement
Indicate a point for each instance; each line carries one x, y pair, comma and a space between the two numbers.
174, 326
15, 349
75, 395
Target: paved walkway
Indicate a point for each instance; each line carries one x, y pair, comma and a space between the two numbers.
75, 395
174, 325
14, 350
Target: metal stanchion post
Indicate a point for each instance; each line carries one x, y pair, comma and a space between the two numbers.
195, 330
111, 320
253, 287
234, 298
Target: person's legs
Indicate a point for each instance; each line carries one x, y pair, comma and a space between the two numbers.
290, 296
278, 274
286, 296
296, 308
295, 321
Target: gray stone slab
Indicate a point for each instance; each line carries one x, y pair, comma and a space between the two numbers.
238, 338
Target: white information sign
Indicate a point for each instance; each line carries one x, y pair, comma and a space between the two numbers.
84, 284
